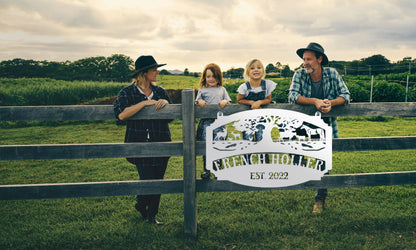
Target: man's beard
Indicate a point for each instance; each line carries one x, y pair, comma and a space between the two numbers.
310, 69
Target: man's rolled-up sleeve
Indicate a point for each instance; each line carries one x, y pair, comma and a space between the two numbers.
343, 89
294, 90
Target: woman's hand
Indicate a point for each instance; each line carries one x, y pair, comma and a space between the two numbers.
132, 110
160, 103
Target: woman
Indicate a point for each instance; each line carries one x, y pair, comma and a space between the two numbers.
131, 99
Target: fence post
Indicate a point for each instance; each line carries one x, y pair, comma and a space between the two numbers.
407, 87
189, 162
371, 90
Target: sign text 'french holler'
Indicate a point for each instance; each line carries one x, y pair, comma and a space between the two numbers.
269, 148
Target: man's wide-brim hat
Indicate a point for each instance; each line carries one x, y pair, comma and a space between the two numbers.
144, 63
314, 47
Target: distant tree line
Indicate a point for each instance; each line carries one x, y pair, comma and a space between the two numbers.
374, 65
119, 68
277, 70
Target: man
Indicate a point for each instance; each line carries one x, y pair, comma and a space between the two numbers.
322, 88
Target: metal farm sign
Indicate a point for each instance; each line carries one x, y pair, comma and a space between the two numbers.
269, 148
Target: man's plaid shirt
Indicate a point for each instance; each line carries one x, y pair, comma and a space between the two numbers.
334, 87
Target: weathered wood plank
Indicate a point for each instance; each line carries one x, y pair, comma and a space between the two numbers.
327, 181
173, 111
356, 144
353, 109
93, 189
373, 143
376, 109
123, 150
88, 151
189, 162
81, 113
96, 189
57, 113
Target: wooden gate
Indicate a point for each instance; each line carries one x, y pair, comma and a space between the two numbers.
188, 148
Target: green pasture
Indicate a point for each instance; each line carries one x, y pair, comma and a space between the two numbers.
45, 91
355, 218
364, 218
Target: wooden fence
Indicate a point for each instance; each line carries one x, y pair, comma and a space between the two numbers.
189, 149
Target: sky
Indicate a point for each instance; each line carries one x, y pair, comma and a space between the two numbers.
190, 34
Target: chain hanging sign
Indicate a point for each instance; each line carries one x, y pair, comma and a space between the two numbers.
269, 147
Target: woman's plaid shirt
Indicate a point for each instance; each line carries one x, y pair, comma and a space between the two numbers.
145, 130
142, 130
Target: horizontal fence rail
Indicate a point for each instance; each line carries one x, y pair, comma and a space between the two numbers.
121, 150
117, 188
89, 151
173, 111
189, 149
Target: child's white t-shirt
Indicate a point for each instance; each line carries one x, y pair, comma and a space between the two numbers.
213, 95
270, 86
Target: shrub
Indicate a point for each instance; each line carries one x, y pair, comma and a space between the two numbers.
360, 91
388, 92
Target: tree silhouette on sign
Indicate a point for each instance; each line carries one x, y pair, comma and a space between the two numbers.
252, 125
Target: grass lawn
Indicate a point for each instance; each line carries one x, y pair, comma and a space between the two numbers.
364, 218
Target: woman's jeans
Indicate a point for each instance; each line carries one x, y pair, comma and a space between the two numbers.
151, 172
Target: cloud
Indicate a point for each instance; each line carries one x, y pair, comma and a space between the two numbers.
42, 17
70, 15
192, 32
366, 21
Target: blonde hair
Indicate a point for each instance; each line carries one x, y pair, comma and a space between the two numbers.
216, 71
140, 79
248, 66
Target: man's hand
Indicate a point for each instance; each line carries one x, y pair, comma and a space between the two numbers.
323, 105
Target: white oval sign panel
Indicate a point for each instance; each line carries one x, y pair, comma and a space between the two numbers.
269, 148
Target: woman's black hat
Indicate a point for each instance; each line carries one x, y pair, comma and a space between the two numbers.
144, 63
314, 47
